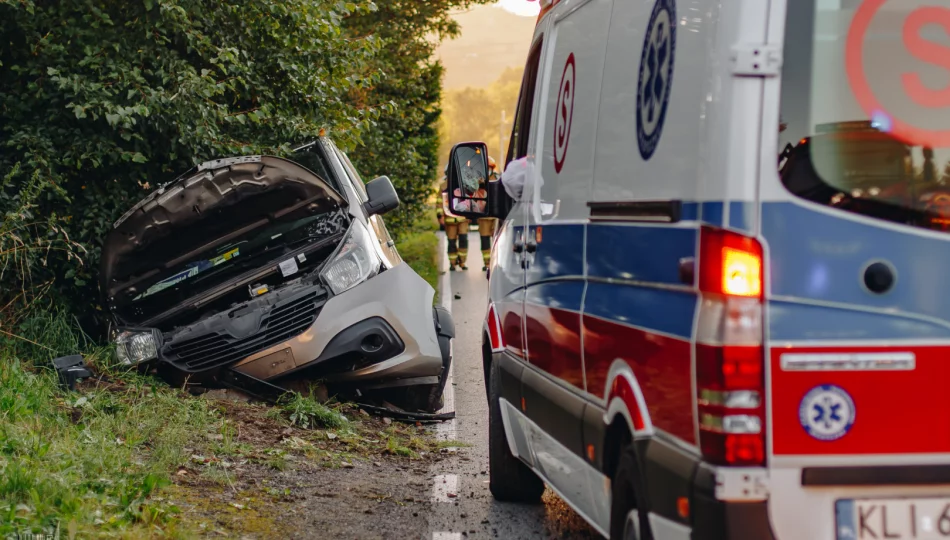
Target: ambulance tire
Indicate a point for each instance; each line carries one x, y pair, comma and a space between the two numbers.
627, 521
509, 479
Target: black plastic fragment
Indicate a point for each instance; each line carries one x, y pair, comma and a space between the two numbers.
257, 388
272, 393
71, 369
407, 416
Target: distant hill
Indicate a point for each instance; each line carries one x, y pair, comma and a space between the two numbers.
492, 39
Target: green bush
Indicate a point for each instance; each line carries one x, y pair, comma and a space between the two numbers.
101, 101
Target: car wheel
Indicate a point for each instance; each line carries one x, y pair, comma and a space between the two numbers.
509, 478
628, 519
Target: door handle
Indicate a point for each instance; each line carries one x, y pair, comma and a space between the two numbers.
518, 245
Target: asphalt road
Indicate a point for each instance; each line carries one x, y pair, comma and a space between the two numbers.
462, 506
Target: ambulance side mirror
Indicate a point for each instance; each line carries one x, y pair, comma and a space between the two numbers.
470, 194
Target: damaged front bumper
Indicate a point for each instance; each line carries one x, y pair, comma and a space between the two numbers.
382, 329
382, 333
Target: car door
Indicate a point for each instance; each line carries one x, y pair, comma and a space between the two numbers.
386, 242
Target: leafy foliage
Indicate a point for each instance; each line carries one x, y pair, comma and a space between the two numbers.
100, 101
404, 144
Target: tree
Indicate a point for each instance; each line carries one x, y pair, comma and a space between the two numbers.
404, 142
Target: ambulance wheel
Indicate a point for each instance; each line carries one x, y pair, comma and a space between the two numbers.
627, 521
509, 479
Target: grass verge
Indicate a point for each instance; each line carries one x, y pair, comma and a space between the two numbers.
419, 249
86, 463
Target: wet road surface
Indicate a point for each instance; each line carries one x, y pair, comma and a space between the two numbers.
462, 506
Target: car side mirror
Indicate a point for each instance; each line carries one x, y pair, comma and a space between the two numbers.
382, 196
469, 193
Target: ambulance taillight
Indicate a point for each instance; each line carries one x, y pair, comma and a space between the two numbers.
730, 358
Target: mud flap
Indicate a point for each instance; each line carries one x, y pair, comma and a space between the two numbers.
445, 332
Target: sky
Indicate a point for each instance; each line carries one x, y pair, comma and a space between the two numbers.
526, 8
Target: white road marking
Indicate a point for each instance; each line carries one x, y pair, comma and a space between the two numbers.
446, 536
445, 488
446, 431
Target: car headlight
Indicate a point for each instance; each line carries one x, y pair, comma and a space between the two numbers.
133, 347
354, 262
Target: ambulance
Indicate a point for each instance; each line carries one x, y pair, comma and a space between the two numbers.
718, 295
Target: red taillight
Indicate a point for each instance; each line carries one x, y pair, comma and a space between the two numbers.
730, 264
730, 359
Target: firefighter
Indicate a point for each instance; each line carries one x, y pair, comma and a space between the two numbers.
486, 225
456, 230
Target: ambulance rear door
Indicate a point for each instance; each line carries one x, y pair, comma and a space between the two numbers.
854, 199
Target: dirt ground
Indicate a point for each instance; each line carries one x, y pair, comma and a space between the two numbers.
367, 482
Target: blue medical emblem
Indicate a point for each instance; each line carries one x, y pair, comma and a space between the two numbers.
826, 412
656, 76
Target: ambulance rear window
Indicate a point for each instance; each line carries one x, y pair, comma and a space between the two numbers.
865, 114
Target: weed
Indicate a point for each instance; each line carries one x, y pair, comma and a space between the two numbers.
277, 459
394, 446
307, 413
217, 475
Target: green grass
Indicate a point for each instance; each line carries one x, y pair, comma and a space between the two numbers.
89, 461
419, 248
85, 463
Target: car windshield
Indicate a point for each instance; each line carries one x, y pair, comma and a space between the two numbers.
865, 112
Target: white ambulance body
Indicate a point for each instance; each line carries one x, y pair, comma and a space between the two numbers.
719, 307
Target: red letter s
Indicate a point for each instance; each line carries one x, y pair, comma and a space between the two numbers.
929, 52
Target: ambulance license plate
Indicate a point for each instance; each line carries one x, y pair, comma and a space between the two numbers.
893, 519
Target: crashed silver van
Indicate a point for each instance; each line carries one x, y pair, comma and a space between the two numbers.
277, 270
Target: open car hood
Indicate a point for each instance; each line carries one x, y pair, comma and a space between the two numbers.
206, 207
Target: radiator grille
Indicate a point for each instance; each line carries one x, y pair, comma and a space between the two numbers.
213, 350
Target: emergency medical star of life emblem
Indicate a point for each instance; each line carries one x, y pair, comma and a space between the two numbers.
656, 76
827, 412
